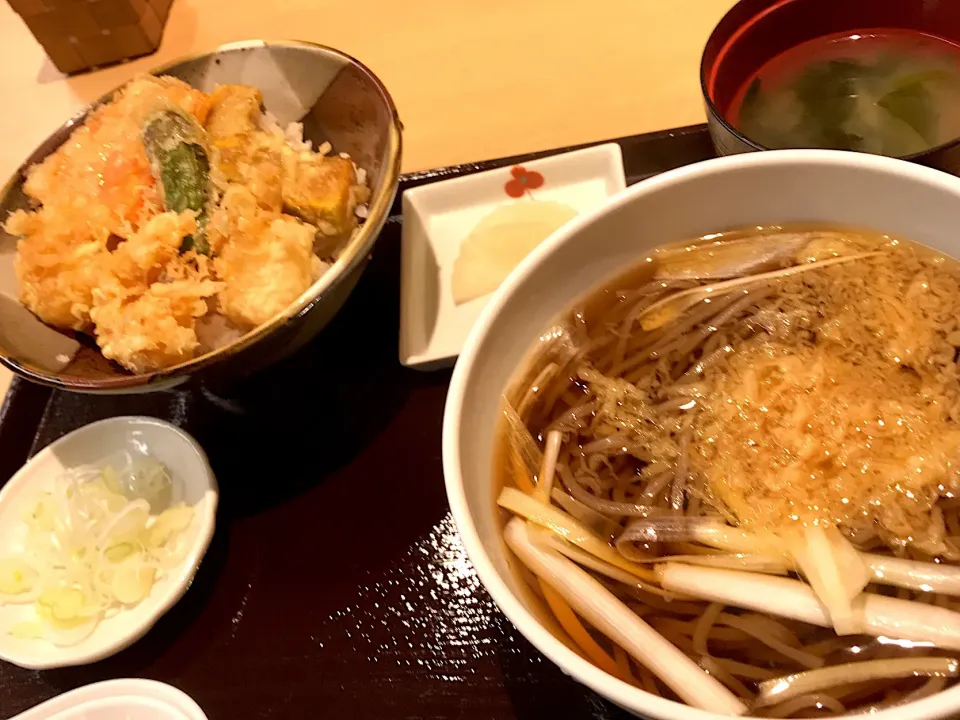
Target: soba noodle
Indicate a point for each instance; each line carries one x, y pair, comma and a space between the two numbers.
752, 441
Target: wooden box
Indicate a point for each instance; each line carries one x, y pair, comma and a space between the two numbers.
80, 34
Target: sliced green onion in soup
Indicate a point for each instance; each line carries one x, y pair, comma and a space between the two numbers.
569, 529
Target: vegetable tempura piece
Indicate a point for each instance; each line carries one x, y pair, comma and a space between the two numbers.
243, 153
56, 269
143, 322
105, 162
266, 259
234, 111
176, 146
320, 190
260, 170
96, 185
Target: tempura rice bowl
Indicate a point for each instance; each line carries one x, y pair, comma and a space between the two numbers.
310, 93
775, 188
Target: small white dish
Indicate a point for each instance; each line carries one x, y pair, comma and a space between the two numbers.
118, 700
439, 216
194, 484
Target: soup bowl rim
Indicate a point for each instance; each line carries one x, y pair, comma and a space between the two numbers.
715, 67
634, 699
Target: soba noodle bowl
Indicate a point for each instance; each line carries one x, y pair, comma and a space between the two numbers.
731, 475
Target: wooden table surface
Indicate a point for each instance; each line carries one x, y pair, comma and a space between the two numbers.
472, 80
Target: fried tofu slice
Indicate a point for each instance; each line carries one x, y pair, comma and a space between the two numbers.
322, 191
265, 259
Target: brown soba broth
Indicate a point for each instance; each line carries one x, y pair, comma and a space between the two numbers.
752, 442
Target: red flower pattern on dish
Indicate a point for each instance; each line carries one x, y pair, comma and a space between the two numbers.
523, 180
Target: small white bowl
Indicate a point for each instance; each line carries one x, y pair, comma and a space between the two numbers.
194, 485
118, 700
439, 216
790, 186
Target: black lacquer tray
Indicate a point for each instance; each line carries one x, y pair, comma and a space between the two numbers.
336, 585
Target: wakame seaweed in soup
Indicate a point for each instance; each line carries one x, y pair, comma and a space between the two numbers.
891, 93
